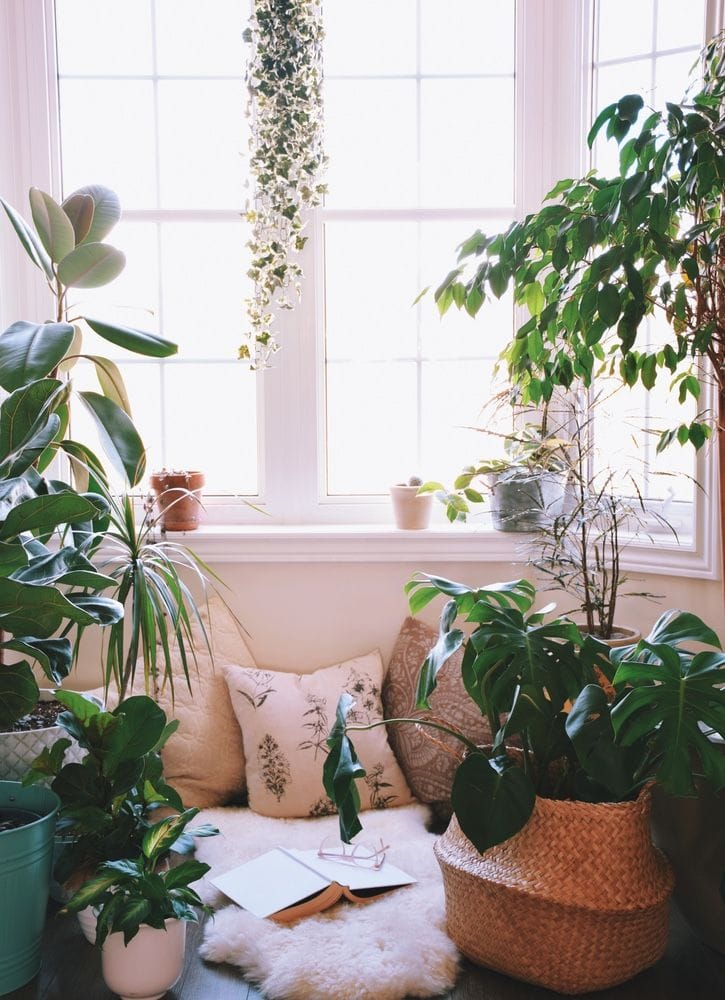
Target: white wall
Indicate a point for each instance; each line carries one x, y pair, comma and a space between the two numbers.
306, 615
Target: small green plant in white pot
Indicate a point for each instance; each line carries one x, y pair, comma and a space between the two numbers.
411, 508
142, 912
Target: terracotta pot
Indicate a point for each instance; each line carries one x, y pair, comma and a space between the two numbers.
178, 495
412, 512
577, 900
148, 965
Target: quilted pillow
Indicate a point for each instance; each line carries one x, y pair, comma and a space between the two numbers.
204, 758
285, 720
428, 766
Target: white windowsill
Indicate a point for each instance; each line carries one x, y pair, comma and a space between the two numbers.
290, 543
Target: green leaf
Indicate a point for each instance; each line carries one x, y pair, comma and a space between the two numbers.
604, 116
161, 837
18, 692
183, 874
79, 209
91, 265
492, 799
31, 351
54, 655
29, 241
535, 298
111, 382
44, 513
449, 641
589, 727
138, 341
106, 212
340, 771
53, 225
91, 892
82, 708
36, 611
629, 107
118, 435
609, 305
143, 724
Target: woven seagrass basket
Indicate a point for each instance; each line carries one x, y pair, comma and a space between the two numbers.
576, 901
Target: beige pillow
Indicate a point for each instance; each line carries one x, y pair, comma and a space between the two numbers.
286, 719
204, 759
428, 766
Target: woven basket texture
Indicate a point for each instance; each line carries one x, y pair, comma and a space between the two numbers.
576, 901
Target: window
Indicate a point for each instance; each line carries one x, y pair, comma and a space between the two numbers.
159, 117
441, 117
654, 58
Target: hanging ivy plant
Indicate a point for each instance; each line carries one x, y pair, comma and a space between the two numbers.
287, 161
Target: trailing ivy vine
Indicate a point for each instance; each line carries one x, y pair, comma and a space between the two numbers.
287, 161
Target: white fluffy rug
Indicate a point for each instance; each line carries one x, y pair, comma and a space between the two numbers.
392, 948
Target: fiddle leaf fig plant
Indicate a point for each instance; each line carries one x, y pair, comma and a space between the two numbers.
66, 243
570, 718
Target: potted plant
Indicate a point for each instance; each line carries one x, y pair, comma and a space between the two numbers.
607, 253
556, 810
411, 508
108, 799
178, 495
27, 822
526, 486
142, 911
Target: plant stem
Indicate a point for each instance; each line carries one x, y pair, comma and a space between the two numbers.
419, 722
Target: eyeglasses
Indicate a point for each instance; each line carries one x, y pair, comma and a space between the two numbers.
367, 855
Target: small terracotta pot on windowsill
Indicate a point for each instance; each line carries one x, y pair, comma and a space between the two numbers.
178, 495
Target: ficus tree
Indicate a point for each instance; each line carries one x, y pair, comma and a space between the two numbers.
605, 253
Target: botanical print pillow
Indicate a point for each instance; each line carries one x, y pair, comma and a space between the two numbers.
286, 719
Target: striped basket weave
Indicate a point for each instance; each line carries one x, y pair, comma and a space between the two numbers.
576, 901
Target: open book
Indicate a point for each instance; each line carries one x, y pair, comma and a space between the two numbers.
286, 884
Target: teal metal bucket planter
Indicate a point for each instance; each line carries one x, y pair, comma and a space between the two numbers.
26, 855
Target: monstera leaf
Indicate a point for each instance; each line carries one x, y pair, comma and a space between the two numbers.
673, 696
492, 799
341, 769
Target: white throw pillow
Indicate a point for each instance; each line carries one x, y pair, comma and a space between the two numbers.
285, 720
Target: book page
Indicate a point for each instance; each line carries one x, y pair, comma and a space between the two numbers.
350, 875
270, 882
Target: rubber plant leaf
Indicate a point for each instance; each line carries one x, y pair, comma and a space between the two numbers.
91, 265
79, 208
29, 241
106, 210
119, 437
492, 799
138, 341
340, 771
52, 224
31, 351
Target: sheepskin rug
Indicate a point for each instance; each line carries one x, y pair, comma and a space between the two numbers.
392, 948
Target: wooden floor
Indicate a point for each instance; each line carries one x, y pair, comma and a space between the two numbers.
72, 971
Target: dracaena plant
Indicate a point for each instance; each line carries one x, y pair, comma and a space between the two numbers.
138, 891
66, 243
582, 725
108, 799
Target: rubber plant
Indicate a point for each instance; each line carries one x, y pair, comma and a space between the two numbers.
47, 583
66, 244
605, 253
287, 161
586, 723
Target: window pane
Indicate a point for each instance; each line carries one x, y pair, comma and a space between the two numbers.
372, 143
374, 38
108, 136
196, 39
202, 142
467, 36
467, 142
625, 28
678, 25
203, 284
372, 421
104, 39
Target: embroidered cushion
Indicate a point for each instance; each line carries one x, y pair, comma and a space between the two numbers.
285, 720
428, 758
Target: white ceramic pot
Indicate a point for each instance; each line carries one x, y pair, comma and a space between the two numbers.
148, 965
412, 512
88, 921
18, 750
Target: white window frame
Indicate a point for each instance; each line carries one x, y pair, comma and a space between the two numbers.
552, 98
